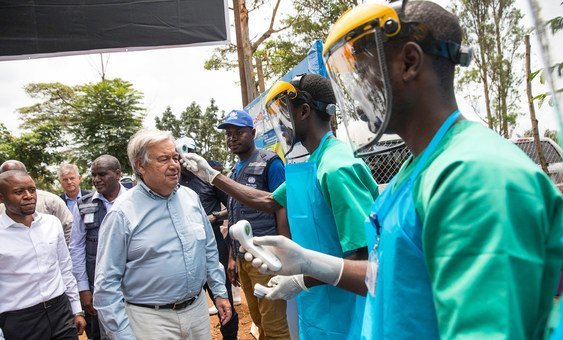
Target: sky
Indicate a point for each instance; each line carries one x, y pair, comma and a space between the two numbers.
172, 77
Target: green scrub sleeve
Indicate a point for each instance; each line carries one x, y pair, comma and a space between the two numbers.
349, 190
280, 195
484, 239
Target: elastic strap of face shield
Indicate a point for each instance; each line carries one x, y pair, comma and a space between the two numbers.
325, 110
419, 32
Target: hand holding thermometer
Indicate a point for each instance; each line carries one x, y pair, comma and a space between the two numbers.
261, 291
242, 232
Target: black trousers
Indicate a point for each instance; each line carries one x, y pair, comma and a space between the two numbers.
50, 320
230, 330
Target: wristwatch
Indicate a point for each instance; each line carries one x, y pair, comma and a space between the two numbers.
216, 214
81, 313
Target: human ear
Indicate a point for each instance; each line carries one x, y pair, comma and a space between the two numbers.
412, 58
305, 111
139, 166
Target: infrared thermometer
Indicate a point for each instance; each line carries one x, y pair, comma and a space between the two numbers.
242, 232
261, 291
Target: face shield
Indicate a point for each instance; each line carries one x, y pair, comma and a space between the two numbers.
355, 60
278, 108
361, 84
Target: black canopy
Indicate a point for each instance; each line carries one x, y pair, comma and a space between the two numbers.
41, 28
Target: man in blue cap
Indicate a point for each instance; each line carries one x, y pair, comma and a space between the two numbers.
264, 170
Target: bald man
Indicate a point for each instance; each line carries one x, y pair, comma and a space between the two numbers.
47, 202
39, 298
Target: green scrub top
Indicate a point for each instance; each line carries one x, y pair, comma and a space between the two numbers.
492, 225
348, 188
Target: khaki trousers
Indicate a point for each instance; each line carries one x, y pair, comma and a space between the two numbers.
268, 315
191, 322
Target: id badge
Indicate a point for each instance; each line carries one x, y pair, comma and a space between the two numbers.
89, 218
373, 267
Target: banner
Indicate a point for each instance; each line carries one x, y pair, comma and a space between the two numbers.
47, 28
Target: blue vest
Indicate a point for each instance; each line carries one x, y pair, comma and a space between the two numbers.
89, 205
254, 174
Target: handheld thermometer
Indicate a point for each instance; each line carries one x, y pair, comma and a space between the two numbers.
242, 232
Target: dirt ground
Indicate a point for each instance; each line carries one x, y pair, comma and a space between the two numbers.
244, 321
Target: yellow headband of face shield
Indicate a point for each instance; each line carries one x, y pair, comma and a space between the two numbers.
359, 20
278, 91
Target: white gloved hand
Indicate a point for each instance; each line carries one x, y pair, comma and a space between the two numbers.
297, 260
198, 166
286, 287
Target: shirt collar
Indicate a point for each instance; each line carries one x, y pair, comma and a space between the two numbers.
67, 198
154, 195
7, 222
101, 197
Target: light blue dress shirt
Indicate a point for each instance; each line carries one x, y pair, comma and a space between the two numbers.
153, 250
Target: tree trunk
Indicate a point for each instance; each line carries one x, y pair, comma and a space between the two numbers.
244, 49
237, 4
535, 132
260, 72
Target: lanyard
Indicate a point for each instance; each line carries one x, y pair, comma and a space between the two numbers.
428, 151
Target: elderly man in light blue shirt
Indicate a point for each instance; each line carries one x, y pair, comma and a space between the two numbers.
156, 250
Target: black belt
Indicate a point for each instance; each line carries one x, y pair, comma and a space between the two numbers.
173, 306
40, 306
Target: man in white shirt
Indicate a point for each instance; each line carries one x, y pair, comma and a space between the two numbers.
39, 296
47, 202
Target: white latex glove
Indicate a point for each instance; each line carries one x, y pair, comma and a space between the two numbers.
285, 287
297, 260
198, 166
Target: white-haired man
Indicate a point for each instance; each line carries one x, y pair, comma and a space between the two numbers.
156, 250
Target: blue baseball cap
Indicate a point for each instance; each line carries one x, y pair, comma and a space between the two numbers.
237, 118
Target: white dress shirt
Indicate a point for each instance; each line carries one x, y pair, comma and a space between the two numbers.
48, 203
35, 264
78, 241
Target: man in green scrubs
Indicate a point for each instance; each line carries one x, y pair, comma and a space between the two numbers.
327, 199
466, 240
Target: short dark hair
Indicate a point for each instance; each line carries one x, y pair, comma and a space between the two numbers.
8, 174
443, 26
108, 161
319, 88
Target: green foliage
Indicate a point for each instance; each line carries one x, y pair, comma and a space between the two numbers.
104, 116
494, 29
55, 103
292, 36
553, 134
555, 25
75, 124
201, 126
37, 150
6, 144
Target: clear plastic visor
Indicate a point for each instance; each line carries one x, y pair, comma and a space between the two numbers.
359, 77
279, 114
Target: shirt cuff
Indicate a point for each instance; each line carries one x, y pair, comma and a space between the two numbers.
83, 285
76, 307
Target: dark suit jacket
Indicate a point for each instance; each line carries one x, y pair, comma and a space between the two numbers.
82, 194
